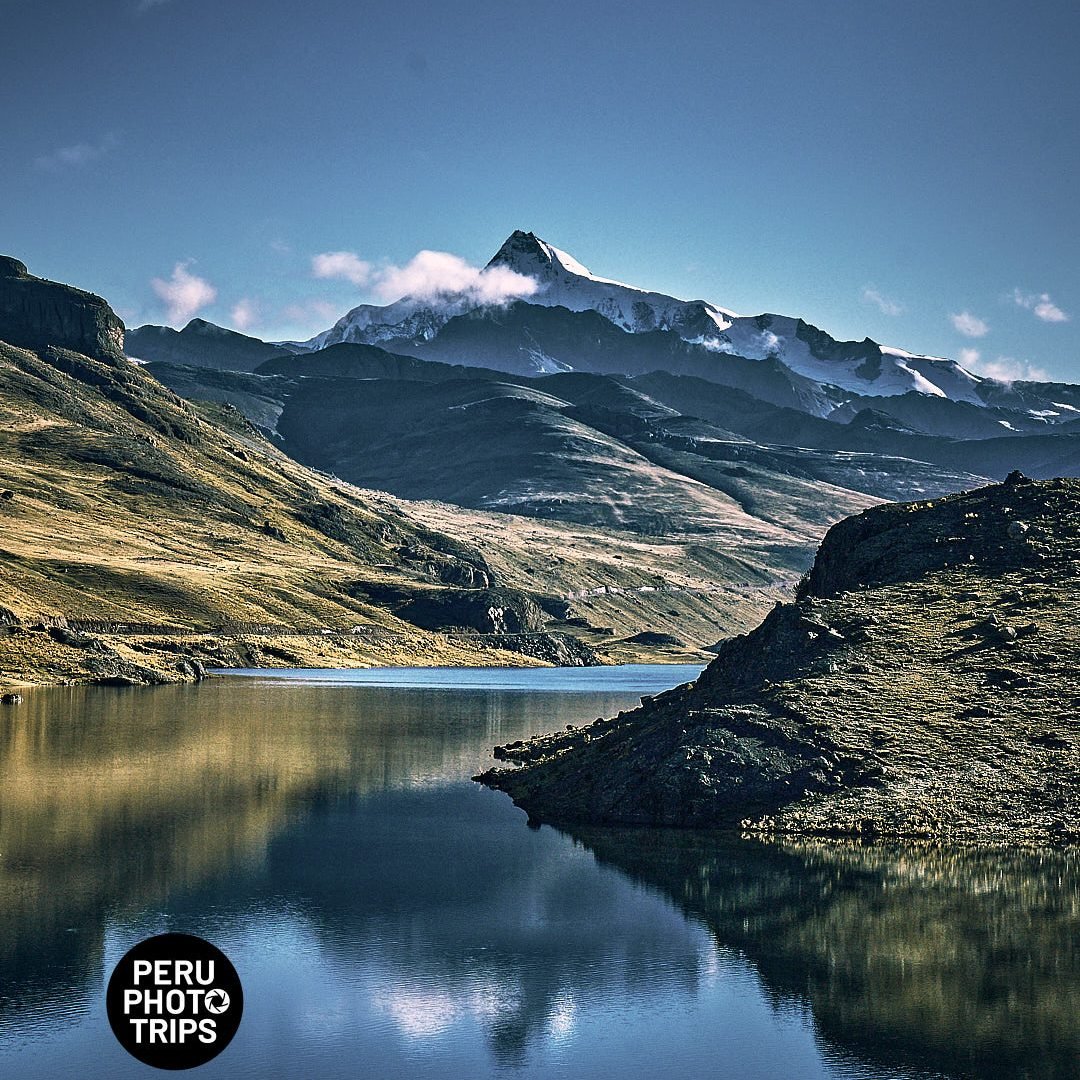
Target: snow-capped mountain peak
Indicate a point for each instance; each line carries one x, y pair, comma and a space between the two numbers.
526, 253
565, 282
857, 367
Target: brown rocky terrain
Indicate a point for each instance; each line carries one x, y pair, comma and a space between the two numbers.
922, 684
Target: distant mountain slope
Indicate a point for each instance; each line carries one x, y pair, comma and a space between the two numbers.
574, 446
509, 446
872, 433
353, 361
203, 344
528, 339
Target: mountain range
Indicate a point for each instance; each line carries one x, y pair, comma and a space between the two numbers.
147, 535
586, 471
837, 369
594, 401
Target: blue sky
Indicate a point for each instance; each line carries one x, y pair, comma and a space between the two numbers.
902, 170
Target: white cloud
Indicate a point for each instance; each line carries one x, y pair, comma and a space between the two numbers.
1040, 305
342, 264
76, 155
184, 293
885, 304
426, 275
435, 273
245, 314
1004, 369
769, 343
970, 325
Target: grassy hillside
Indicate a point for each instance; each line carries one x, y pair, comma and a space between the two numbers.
126, 506
143, 534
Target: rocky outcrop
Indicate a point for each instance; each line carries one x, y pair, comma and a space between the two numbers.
655, 639
562, 650
36, 314
487, 611
906, 541
922, 685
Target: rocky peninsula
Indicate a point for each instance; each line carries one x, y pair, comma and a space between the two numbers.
921, 685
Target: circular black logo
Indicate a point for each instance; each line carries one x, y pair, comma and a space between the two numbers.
174, 1001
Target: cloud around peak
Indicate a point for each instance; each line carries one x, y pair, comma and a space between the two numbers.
345, 265
427, 275
1004, 369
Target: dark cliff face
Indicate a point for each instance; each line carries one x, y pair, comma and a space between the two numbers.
35, 314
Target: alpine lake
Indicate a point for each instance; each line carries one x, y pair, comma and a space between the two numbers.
389, 917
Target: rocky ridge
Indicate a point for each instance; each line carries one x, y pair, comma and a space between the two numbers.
36, 313
921, 685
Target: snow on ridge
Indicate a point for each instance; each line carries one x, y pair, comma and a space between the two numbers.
859, 367
572, 266
899, 371
566, 262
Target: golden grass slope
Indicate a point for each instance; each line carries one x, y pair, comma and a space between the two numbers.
164, 529
128, 505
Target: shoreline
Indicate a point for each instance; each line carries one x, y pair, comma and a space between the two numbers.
54, 656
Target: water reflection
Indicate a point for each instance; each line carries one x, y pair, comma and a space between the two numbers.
954, 961
114, 802
482, 917
382, 908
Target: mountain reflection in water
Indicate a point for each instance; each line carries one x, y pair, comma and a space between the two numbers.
961, 961
383, 908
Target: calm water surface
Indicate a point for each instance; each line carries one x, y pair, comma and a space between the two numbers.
389, 918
